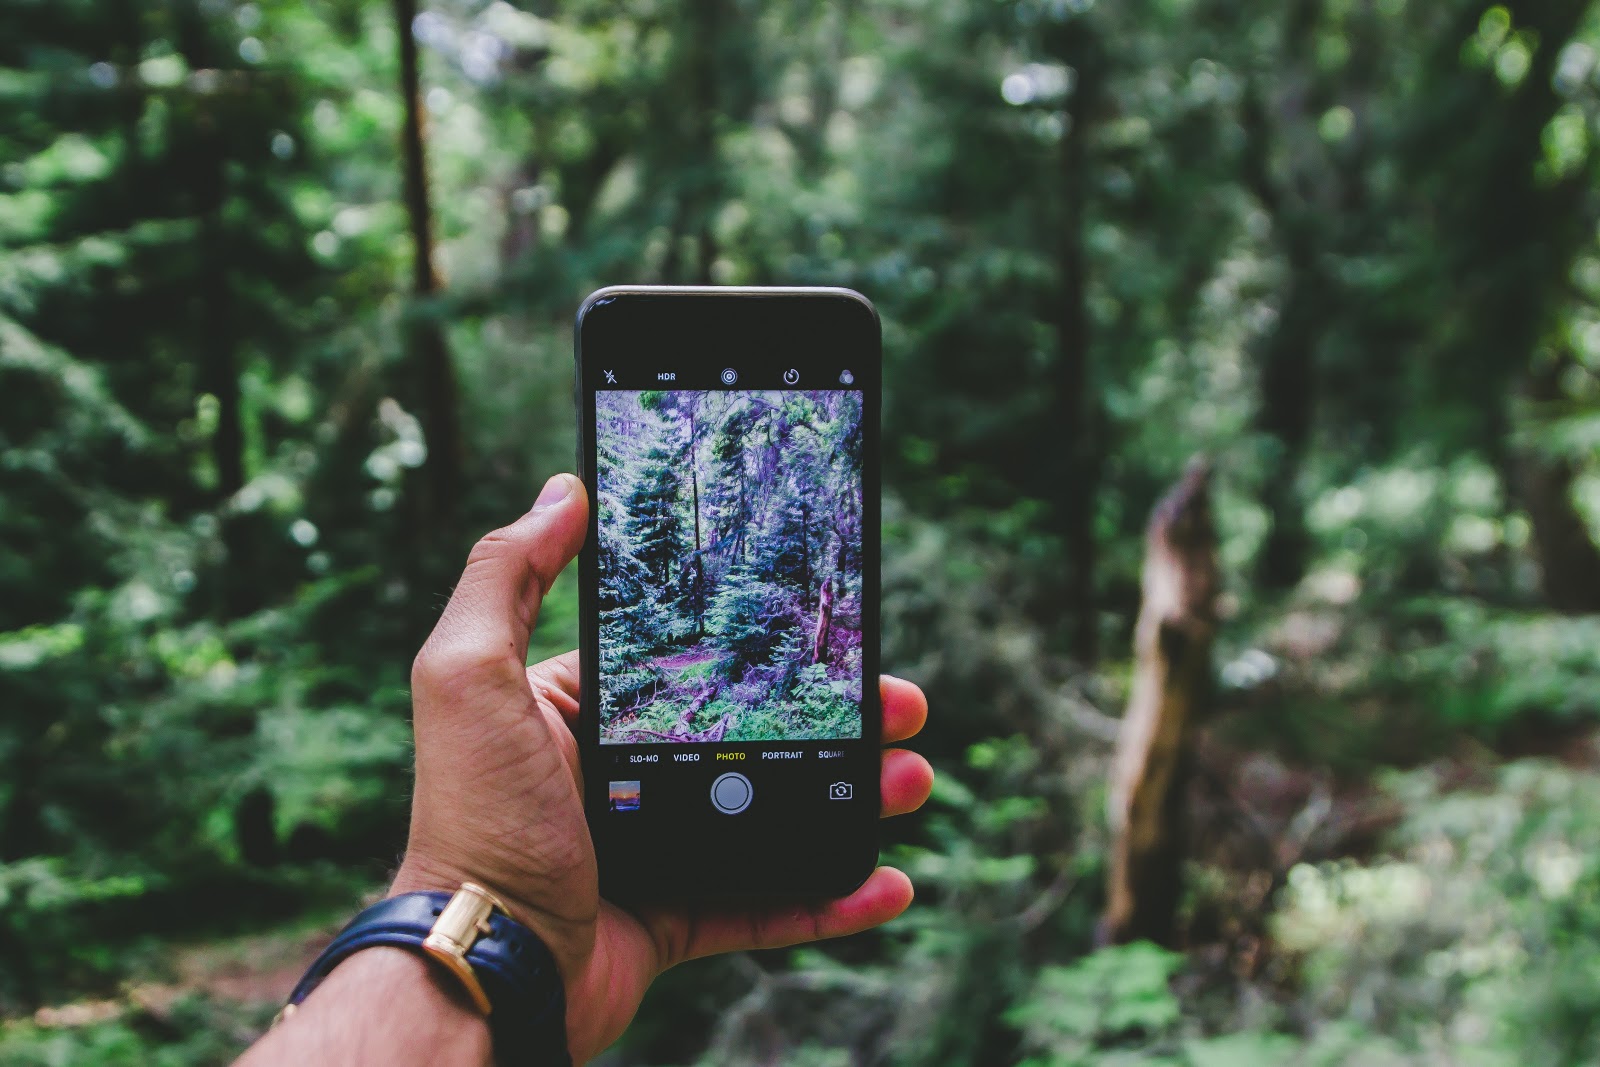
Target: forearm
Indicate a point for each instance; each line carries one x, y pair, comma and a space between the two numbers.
382, 1006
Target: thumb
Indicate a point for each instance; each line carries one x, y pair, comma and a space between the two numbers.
490, 616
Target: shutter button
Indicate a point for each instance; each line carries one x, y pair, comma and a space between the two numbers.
731, 793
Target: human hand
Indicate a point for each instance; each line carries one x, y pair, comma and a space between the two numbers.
498, 801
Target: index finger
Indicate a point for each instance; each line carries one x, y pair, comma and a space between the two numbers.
905, 707
681, 934
559, 680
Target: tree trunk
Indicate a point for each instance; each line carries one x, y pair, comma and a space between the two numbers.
742, 522
219, 369
1077, 398
1171, 682
1286, 357
217, 337
708, 191
699, 593
682, 727
1569, 562
819, 645
436, 392
695, 110
805, 548
1284, 413
207, 162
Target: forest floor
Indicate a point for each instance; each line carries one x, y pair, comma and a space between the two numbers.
1267, 796
1254, 814
221, 994
685, 662
684, 677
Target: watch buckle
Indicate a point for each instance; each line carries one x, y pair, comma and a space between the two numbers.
457, 929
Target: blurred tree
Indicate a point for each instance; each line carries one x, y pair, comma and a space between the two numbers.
162, 606
1077, 401
432, 388
1569, 560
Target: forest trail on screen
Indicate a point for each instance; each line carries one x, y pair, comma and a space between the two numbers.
730, 565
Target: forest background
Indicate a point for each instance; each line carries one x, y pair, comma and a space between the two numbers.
730, 564
286, 294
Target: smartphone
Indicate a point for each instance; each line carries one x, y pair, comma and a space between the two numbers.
730, 725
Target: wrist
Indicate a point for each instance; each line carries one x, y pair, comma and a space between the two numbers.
565, 937
383, 971
383, 1005
421, 875
505, 970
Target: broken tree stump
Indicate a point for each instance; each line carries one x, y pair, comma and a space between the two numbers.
819, 643
1171, 682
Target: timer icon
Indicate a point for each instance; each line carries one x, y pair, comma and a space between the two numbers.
791, 376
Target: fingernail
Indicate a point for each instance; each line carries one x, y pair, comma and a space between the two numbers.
554, 492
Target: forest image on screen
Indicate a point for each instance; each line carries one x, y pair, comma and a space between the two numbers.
730, 565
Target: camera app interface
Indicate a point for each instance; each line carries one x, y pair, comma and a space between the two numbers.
730, 571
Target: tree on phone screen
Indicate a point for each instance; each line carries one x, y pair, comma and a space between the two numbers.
730, 565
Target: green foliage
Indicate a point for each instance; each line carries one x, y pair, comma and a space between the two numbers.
653, 531
1491, 669
1115, 996
730, 533
1478, 939
752, 617
191, 1033
1347, 249
818, 707
1116, 1007
196, 634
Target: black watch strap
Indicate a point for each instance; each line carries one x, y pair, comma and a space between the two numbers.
525, 1002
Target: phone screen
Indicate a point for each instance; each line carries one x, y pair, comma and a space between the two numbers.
730, 565
731, 589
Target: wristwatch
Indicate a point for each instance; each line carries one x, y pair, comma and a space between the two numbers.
507, 971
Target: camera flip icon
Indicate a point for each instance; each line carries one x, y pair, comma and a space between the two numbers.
841, 791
